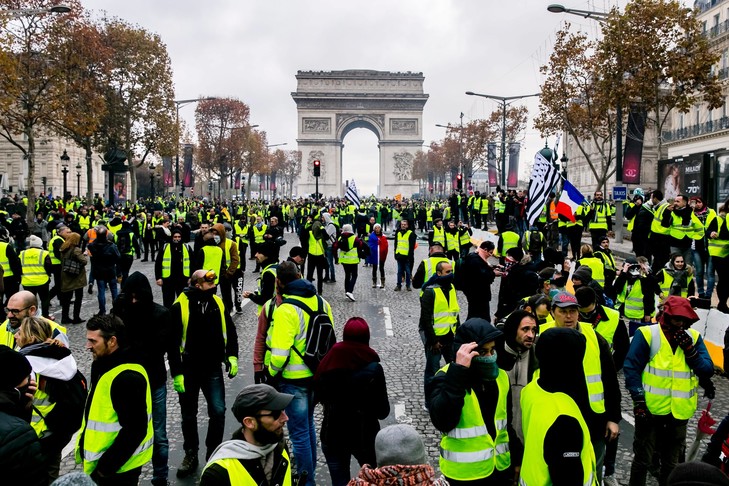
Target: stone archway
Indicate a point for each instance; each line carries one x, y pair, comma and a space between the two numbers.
332, 103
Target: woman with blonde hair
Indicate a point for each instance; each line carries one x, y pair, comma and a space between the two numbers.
58, 403
73, 278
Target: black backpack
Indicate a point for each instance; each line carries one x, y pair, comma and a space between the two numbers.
320, 335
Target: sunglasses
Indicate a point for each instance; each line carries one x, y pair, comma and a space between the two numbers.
274, 414
16, 311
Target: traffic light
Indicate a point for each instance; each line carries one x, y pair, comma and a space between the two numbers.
317, 167
459, 182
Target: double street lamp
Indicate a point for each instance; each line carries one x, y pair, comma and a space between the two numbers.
505, 101
602, 17
179, 104
64, 164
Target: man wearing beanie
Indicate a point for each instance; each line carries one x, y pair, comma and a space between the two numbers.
401, 457
256, 454
602, 412
470, 403
20, 450
37, 268
172, 268
663, 368
557, 445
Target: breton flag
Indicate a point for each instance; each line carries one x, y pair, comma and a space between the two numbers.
544, 177
569, 200
351, 193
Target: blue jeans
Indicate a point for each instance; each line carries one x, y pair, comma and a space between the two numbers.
302, 429
213, 388
403, 267
432, 358
161, 450
101, 292
329, 253
564, 240
702, 259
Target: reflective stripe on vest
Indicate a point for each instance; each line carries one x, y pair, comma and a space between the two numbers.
258, 234
350, 256
34, 272
668, 281
671, 387
439, 236
452, 241
468, 452
99, 430
167, 261
316, 246
269, 269
634, 308
597, 267
238, 475
607, 329
41, 403
185, 313
51, 253
540, 409
509, 240
445, 312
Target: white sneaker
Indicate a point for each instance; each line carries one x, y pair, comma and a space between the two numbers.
350, 296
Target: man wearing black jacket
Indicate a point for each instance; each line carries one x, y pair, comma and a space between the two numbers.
204, 337
148, 331
267, 279
120, 383
474, 277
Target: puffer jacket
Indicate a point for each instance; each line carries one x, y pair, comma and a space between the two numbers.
20, 450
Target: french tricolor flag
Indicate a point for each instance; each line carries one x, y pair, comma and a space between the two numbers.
569, 200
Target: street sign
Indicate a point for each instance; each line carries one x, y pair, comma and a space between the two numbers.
115, 167
620, 193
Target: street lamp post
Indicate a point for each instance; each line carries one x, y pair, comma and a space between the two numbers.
179, 104
64, 163
505, 101
151, 180
460, 143
78, 180
29, 12
602, 17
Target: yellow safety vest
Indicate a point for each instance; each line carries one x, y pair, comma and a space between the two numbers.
590, 364
540, 409
671, 387
445, 312
452, 241
238, 475
717, 247
597, 267
99, 430
242, 231
468, 452
693, 230
185, 313
34, 272
269, 269
167, 261
350, 256
509, 240
213, 260
656, 226
54, 260
258, 234
439, 236
403, 243
607, 328
84, 222
600, 217
633, 301
41, 403
4, 261
668, 281
316, 246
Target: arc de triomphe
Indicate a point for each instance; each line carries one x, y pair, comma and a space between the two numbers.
332, 103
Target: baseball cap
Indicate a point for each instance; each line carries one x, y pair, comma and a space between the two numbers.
253, 398
564, 299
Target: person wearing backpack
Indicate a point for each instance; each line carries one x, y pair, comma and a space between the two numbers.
58, 403
292, 364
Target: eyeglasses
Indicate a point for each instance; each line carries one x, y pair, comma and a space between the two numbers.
275, 414
16, 311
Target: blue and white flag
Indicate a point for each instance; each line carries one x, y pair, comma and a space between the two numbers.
544, 177
351, 193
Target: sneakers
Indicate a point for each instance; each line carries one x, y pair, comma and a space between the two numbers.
398, 288
610, 480
238, 311
189, 464
350, 296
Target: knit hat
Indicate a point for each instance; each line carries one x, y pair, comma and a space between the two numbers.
583, 274
399, 444
347, 228
15, 368
73, 479
357, 330
697, 474
34, 242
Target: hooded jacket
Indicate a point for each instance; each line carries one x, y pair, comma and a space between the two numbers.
251, 457
104, 258
229, 267
329, 235
149, 327
20, 450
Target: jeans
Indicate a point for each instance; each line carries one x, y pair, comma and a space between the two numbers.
350, 276
432, 358
213, 388
101, 293
338, 460
403, 267
302, 429
702, 259
663, 433
161, 449
564, 241
329, 269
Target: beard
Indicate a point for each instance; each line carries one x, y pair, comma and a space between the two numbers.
266, 437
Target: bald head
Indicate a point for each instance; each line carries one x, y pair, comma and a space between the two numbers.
198, 275
21, 305
23, 298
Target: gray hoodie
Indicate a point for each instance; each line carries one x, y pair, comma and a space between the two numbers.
331, 230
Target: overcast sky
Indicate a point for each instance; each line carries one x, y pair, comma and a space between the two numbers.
252, 51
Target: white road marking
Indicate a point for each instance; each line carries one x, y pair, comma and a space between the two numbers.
388, 322
70, 446
400, 414
629, 418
